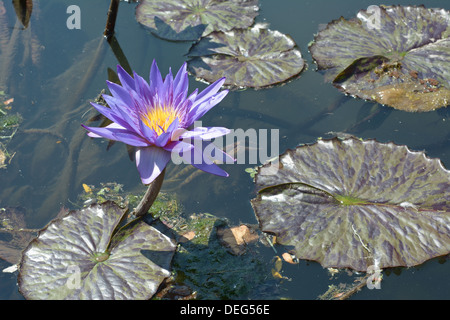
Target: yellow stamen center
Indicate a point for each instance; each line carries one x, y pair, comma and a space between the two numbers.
159, 119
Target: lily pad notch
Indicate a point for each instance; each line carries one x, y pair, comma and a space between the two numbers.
90, 254
355, 204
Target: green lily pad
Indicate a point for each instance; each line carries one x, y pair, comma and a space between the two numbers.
253, 57
187, 20
394, 55
85, 255
356, 204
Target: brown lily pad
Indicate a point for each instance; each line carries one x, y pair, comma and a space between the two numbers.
394, 55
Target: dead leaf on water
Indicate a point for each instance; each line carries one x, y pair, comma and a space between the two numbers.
276, 270
187, 236
289, 258
87, 188
278, 263
8, 102
276, 274
236, 238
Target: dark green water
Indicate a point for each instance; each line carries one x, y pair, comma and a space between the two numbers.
54, 157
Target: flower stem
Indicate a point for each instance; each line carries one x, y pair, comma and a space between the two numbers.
111, 21
150, 195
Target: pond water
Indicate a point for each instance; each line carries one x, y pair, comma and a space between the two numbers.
54, 72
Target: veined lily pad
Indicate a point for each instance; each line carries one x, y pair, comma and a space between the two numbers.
253, 57
356, 204
85, 255
185, 20
394, 55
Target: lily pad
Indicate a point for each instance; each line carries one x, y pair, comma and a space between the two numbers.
236, 239
254, 57
85, 255
187, 20
395, 55
356, 204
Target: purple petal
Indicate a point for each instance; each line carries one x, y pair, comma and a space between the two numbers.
117, 105
120, 93
126, 80
200, 159
179, 98
110, 114
180, 74
156, 81
193, 96
180, 84
147, 132
206, 166
178, 147
150, 162
219, 156
205, 133
211, 153
117, 112
121, 110
164, 138
143, 91
198, 110
167, 95
212, 168
210, 91
176, 134
131, 139
102, 132
117, 133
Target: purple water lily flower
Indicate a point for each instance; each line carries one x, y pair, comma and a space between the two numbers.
154, 117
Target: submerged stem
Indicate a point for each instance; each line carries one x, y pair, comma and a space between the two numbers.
150, 195
111, 21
